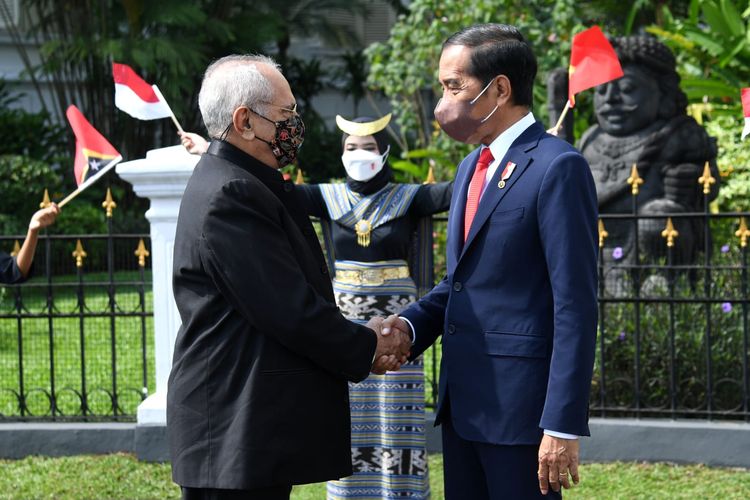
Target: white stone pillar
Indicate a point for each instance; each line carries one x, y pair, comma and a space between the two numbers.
161, 177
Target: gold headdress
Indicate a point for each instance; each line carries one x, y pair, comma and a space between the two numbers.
362, 129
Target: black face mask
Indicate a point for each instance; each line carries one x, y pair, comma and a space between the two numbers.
290, 134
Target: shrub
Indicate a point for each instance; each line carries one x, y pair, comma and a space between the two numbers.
24, 180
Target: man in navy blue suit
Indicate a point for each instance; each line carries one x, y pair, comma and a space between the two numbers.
517, 310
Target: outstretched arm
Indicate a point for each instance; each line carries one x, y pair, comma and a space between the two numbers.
426, 317
432, 199
240, 223
41, 219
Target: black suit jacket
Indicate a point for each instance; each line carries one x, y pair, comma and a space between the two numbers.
9, 272
258, 391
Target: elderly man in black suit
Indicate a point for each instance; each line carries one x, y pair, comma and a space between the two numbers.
258, 397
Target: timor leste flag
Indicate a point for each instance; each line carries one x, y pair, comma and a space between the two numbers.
93, 152
593, 62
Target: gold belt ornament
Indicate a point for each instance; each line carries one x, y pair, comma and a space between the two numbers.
376, 276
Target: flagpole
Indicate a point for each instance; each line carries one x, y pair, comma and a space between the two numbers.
556, 129
176, 123
91, 180
171, 113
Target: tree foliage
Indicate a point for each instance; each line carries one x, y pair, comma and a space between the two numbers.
712, 45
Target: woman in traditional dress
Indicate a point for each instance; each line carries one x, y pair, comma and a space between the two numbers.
369, 226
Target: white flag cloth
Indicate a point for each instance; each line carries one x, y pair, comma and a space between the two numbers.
136, 97
746, 111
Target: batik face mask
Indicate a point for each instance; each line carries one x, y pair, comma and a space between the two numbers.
454, 117
290, 134
362, 165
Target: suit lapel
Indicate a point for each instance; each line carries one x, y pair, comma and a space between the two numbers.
456, 217
493, 194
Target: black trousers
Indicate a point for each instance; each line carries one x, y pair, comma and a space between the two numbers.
483, 471
272, 493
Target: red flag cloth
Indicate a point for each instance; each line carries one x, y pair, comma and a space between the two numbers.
136, 97
746, 111
93, 151
593, 62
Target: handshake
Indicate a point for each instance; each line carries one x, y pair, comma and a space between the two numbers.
394, 343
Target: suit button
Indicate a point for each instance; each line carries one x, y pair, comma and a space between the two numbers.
451, 329
324, 269
288, 186
457, 286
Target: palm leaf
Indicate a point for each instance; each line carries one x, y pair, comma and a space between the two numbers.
715, 19
697, 88
732, 18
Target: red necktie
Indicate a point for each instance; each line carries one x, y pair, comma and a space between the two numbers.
475, 189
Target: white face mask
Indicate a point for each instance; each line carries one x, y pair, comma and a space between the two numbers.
363, 165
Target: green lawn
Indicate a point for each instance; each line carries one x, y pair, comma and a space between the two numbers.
65, 340
123, 477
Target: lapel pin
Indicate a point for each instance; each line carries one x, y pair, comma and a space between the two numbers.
507, 171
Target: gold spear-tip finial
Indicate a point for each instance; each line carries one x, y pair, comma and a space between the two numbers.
16, 249
141, 253
670, 233
79, 253
45, 200
300, 178
109, 204
706, 179
603, 234
430, 179
635, 180
743, 233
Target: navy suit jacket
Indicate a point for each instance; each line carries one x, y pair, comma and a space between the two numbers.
517, 310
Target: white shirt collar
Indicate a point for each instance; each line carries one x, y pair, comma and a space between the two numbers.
502, 142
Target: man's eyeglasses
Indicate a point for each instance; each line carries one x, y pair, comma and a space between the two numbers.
292, 110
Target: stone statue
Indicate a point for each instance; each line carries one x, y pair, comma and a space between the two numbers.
641, 119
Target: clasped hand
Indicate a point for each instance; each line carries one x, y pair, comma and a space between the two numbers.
393, 346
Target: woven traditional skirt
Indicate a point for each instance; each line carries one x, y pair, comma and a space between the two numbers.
388, 437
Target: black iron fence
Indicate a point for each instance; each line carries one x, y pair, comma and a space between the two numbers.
673, 337
76, 339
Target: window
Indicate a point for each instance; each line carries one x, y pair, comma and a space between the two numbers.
9, 12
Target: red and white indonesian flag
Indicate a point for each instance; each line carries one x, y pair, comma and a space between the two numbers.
746, 111
136, 97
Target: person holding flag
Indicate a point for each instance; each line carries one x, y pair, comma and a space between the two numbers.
16, 269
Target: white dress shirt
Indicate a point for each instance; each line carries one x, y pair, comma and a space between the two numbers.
499, 147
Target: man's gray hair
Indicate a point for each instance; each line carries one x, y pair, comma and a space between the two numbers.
231, 82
